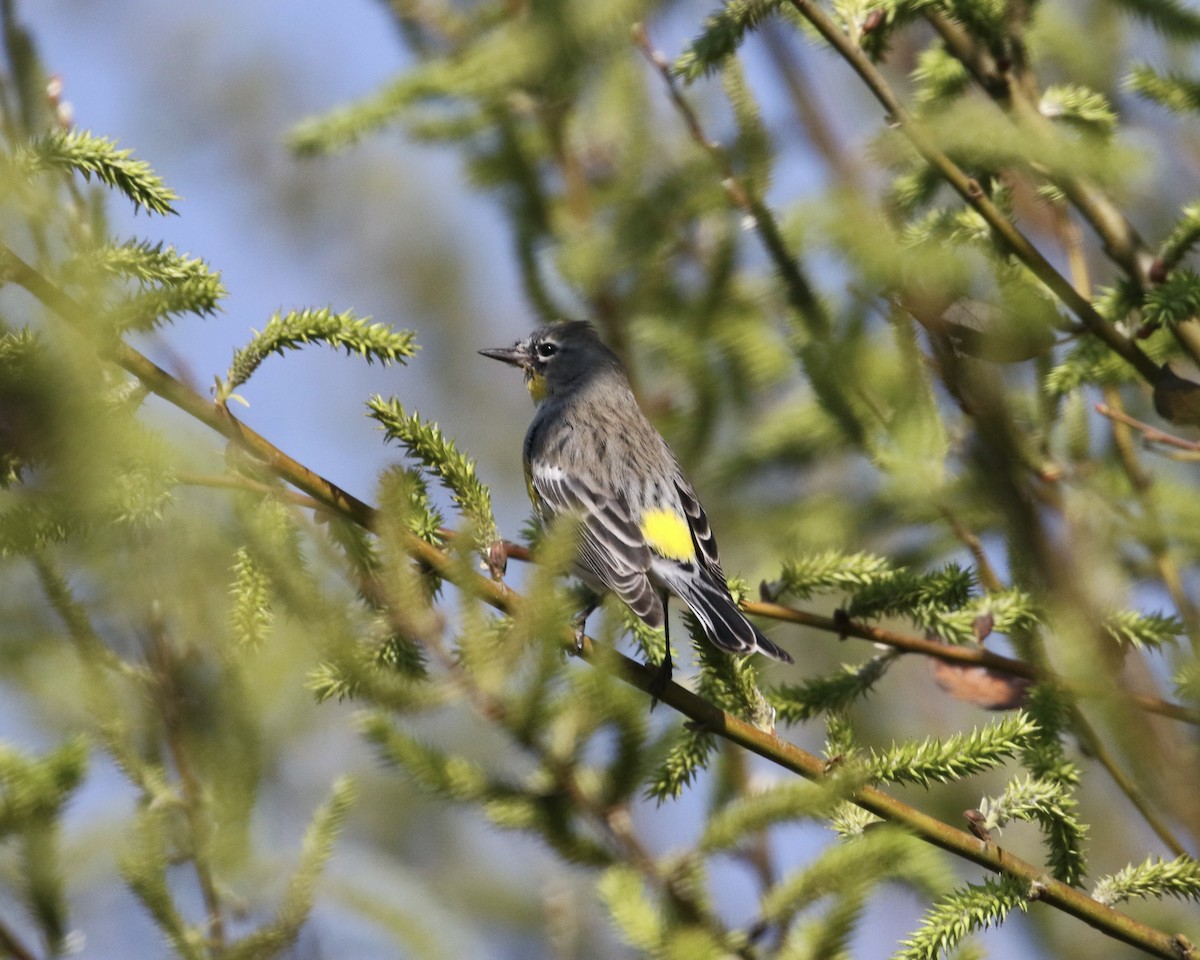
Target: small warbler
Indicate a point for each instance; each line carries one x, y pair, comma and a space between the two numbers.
591, 453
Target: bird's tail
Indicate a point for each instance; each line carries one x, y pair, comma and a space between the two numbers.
724, 624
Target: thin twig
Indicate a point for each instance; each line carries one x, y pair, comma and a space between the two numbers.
192, 793
819, 129
1121, 240
988, 577
973, 656
233, 481
1149, 434
1094, 745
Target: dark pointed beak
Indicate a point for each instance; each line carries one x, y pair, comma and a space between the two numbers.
514, 356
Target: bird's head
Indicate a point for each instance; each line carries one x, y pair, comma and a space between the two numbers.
555, 357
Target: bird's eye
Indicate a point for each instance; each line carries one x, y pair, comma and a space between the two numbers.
546, 350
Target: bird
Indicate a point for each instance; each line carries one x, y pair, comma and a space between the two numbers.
591, 453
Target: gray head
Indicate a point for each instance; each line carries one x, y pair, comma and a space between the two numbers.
557, 357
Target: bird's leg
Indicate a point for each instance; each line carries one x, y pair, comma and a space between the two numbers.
591, 600
663, 676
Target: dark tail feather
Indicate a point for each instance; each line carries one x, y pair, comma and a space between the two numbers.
724, 624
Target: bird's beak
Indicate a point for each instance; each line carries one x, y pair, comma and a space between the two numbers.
516, 356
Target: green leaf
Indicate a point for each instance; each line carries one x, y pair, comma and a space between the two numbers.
1179, 878
780, 803
686, 758
251, 616
1051, 804
1171, 18
276, 936
85, 153
721, 35
854, 865
938, 77
1144, 630
803, 701
448, 775
1186, 232
297, 328
198, 294
144, 867
425, 442
959, 756
1079, 106
1175, 300
36, 788
623, 891
956, 916
141, 260
1171, 90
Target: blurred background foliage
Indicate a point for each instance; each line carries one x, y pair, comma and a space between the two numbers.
872, 266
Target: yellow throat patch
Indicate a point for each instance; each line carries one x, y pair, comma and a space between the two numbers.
668, 535
536, 385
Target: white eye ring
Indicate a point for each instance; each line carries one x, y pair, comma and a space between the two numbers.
545, 350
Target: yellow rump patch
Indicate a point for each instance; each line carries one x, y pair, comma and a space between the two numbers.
668, 534
536, 385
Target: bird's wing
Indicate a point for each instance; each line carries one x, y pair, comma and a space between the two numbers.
702, 535
612, 547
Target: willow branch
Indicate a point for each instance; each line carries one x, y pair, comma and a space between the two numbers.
1005, 231
208, 412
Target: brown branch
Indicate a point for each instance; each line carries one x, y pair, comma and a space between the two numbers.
1121, 240
1127, 785
208, 412
973, 656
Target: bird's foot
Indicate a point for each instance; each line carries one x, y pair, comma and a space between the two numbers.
662, 677
591, 601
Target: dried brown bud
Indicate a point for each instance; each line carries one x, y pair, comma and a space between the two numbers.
982, 626
980, 686
975, 823
497, 559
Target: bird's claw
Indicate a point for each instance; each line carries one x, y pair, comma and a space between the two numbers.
661, 679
